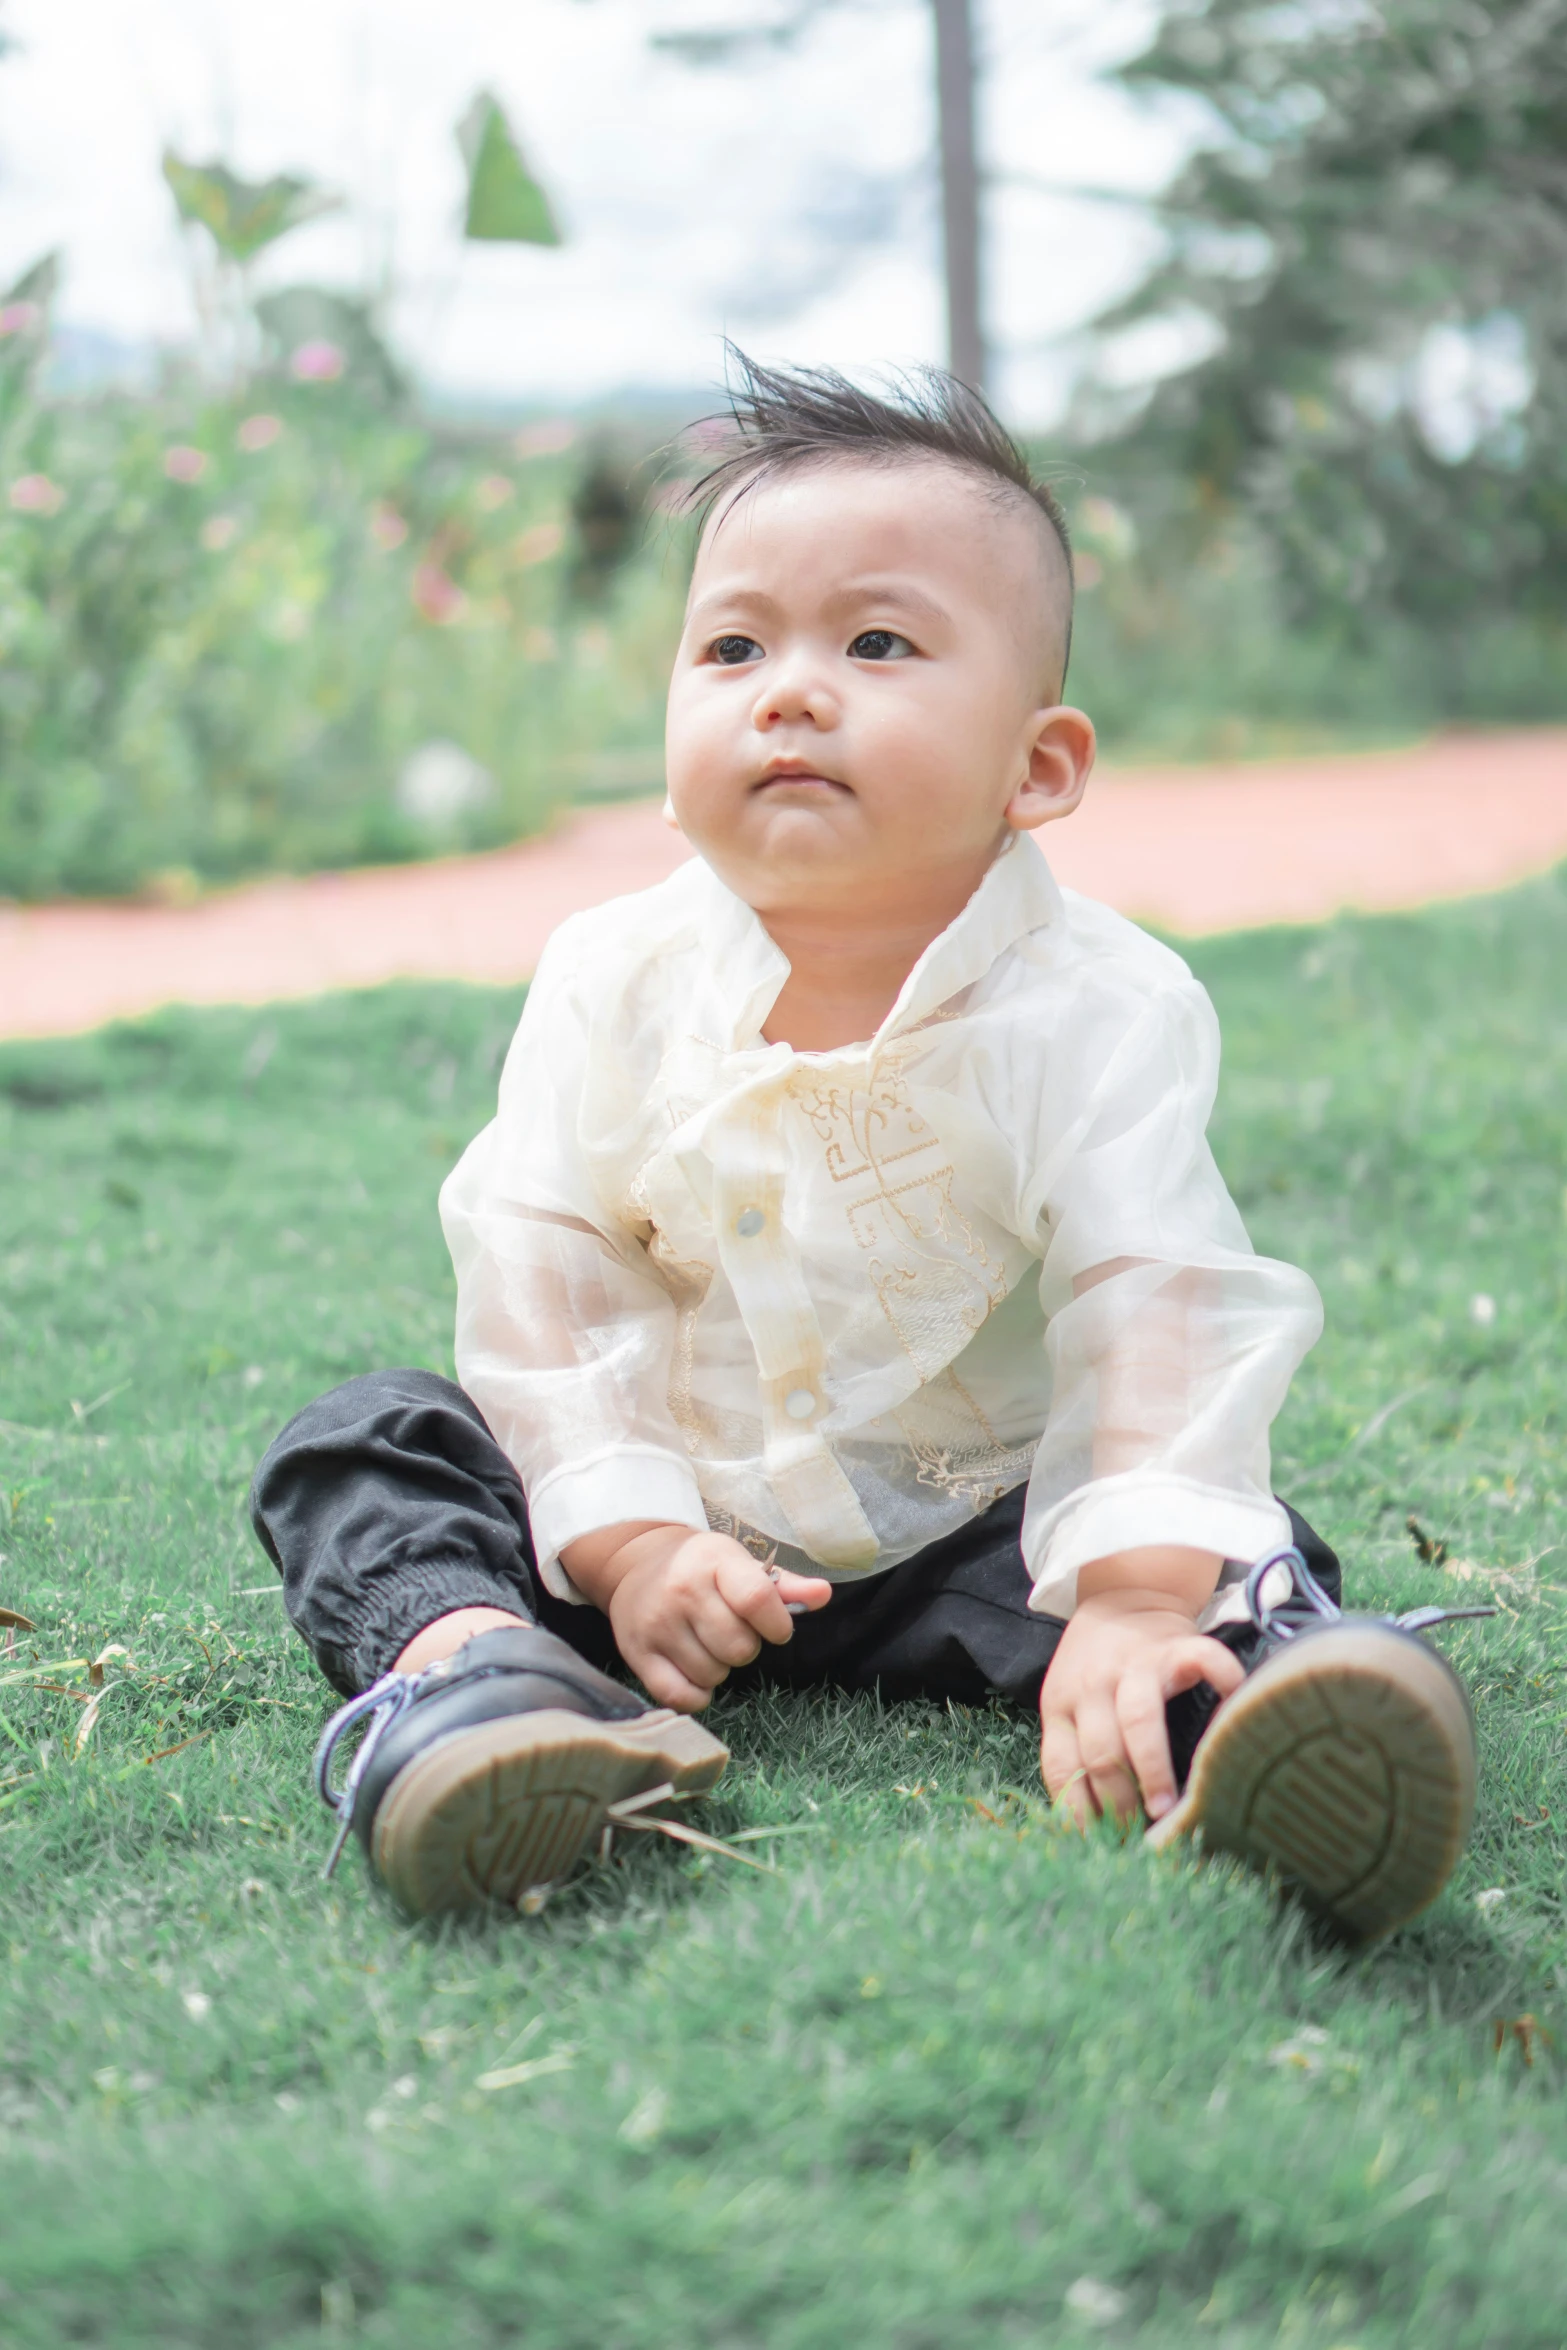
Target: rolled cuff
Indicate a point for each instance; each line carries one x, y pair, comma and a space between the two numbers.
608, 1489
1130, 1512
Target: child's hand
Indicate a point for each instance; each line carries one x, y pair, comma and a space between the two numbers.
686, 1607
1126, 1652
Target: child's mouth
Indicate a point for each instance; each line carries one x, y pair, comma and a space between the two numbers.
798, 779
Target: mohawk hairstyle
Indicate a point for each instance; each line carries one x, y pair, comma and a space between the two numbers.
783, 419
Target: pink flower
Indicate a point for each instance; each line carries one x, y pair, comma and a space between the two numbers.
491, 491
17, 317
317, 363
184, 464
540, 543
437, 597
387, 527
259, 432
35, 493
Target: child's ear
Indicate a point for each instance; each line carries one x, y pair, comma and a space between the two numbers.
1060, 752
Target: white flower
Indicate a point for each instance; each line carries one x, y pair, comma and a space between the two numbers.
1304, 2054
1100, 2303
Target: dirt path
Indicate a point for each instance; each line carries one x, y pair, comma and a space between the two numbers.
1194, 850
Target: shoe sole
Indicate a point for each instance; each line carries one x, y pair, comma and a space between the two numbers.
494, 1812
1346, 1763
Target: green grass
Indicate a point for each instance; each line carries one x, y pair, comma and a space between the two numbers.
946, 2064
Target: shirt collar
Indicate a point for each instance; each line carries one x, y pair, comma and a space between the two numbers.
748, 968
1017, 895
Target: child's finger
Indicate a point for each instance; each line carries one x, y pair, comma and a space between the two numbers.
727, 1635
1061, 1764
707, 1644
756, 1599
667, 1685
1139, 1705
1187, 1662
1110, 1777
807, 1591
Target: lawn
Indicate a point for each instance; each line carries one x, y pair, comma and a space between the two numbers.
950, 2076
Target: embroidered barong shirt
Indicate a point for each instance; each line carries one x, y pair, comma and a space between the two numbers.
836, 1303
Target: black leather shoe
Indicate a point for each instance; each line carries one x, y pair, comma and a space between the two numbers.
1345, 1761
486, 1777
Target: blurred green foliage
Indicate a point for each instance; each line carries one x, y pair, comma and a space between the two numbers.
1368, 250
228, 622
1186, 644
506, 204
242, 217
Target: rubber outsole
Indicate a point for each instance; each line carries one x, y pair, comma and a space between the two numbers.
1345, 1763
494, 1812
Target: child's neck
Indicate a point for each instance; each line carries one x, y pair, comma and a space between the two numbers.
846, 969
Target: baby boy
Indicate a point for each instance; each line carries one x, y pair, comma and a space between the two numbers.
846, 1290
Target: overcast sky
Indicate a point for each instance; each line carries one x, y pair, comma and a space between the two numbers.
695, 202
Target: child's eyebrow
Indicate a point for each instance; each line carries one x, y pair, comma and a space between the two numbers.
734, 600
900, 594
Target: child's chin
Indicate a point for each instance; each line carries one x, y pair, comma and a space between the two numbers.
810, 828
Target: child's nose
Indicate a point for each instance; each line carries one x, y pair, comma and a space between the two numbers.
796, 694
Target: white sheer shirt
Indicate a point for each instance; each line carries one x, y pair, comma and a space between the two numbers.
836, 1304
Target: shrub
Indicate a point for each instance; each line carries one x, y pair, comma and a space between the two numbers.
227, 624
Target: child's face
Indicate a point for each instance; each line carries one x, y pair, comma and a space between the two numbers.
864, 696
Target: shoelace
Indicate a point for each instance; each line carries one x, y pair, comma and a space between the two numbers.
1284, 1598
384, 1701
391, 1696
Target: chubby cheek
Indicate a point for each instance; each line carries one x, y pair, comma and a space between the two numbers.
914, 749
703, 744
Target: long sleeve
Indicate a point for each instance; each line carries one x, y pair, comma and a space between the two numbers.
564, 1335
1171, 1344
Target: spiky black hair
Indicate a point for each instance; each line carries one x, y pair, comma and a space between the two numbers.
783, 418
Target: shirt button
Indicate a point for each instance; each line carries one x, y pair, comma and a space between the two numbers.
749, 1223
799, 1403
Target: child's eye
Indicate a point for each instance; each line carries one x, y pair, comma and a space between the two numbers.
730, 651
880, 644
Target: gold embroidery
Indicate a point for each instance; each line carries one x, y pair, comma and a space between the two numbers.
688, 1284
761, 1546
940, 1425
688, 1281
930, 1269
927, 1263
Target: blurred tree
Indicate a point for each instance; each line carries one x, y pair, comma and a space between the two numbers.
607, 513
1369, 250
953, 60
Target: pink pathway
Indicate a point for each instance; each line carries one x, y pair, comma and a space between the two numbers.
1193, 850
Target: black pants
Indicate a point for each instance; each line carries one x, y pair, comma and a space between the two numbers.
389, 1503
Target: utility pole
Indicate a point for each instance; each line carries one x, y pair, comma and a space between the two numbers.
959, 190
